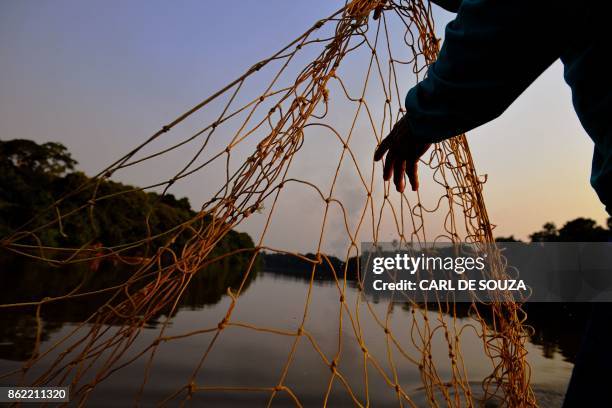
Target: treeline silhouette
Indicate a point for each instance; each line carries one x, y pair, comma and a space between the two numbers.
33, 176
329, 267
320, 268
577, 230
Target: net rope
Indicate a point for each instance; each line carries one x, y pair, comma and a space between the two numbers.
273, 125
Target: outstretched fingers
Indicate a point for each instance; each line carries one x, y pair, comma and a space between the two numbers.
413, 174
388, 167
398, 175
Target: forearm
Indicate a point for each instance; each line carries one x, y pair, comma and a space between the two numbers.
448, 5
492, 51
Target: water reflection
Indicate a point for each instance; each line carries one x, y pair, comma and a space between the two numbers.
30, 280
244, 357
27, 280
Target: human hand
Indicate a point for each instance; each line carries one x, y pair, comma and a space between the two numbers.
403, 153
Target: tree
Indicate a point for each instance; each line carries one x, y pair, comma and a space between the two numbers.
51, 158
33, 177
577, 230
548, 233
582, 230
507, 239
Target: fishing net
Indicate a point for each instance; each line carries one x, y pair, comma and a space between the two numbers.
250, 144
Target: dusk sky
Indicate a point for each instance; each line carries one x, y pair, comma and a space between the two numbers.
101, 76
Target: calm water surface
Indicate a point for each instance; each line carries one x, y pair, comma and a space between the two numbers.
243, 357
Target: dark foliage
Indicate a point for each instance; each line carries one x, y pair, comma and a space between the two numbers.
578, 230
33, 176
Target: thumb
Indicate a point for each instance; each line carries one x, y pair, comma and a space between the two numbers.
382, 148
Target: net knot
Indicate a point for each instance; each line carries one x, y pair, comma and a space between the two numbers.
379, 9
257, 66
191, 388
325, 92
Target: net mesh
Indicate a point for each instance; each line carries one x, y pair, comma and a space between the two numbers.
255, 142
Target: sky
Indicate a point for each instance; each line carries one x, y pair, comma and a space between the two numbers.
101, 76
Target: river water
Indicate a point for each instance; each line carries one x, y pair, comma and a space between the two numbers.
242, 357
